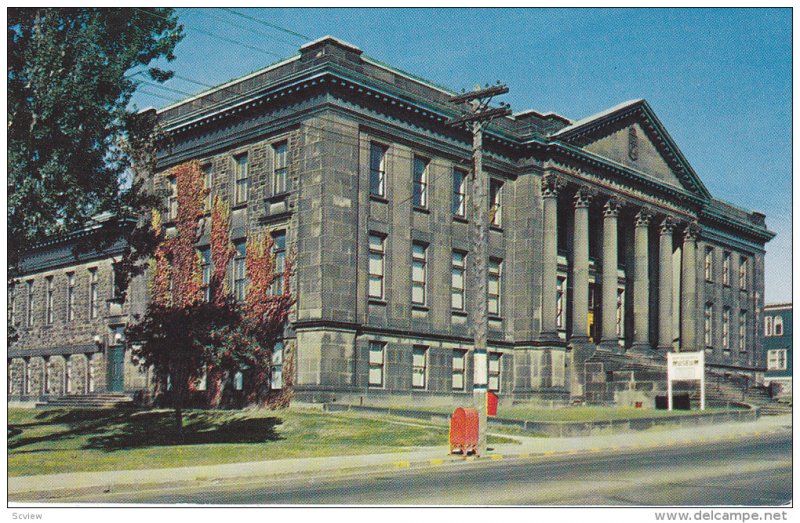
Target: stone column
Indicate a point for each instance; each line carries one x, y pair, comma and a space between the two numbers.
665, 287
580, 265
641, 283
550, 187
689, 310
609, 338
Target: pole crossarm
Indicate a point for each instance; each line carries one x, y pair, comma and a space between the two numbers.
484, 115
480, 93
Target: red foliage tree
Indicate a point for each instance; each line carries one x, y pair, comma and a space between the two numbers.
220, 335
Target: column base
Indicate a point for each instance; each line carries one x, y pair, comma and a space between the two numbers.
611, 345
643, 348
549, 339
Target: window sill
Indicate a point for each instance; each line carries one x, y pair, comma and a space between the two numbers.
418, 307
457, 312
278, 196
238, 206
423, 210
378, 198
376, 301
496, 228
493, 317
460, 219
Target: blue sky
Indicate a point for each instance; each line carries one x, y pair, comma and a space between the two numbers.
719, 79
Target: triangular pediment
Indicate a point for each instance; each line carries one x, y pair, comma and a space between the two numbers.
632, 136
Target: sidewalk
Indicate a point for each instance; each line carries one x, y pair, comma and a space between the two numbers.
29, 487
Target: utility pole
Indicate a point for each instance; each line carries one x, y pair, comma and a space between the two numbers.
477, 116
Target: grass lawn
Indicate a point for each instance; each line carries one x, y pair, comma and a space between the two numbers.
47, 441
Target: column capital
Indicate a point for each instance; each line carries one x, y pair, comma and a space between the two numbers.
668, 225
612, 207
583, 196
643, 217
691, 232
551, 185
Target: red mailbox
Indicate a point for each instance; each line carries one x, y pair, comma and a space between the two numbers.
491, 404
464, 431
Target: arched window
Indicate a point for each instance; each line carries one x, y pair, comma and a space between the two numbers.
767, 325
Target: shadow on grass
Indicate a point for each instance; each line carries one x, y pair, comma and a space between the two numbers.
113, 429
155, 429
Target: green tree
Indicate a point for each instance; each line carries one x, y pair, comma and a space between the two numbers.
71, 130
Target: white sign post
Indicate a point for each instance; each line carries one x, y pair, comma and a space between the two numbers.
686, 366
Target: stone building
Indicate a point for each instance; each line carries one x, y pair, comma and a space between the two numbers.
70, 320
605, 246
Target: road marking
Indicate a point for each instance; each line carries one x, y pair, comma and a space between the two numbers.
594, 449
549, 453
402, 464
496, 457
436, 461
524, 455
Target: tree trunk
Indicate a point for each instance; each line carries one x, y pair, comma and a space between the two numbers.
177, 398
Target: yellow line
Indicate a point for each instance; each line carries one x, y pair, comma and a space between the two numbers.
594, 449
496, 457
402, 464
524, 455
436, 461
549, 453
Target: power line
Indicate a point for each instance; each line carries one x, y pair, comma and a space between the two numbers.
268, 24
213, 35
205, 12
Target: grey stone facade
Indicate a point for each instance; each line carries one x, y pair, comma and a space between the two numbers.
588, 183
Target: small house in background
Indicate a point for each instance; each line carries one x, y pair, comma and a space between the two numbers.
778, 347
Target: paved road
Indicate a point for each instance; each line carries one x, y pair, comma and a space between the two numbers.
752, 471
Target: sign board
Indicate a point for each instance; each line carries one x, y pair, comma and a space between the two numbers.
686, 366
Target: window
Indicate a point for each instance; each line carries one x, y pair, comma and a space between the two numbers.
70, 296
240, 271
495, 202
495, 274
726, 268
459, 193
419, 363
560, 286
279, 255
709, 264
708, 318
68, 374
377, 170
205, 271
419, 260
242, 173
376, 359
778, 331
276, 376
420, 182
776, 359
457, 280
116, 292
89, 374
93, 293
279, 168
376, 255
238, 380
48, 315
29, 305
208, 180
494, 371
172, 198
12, 304
459, 369
767, 326
743, 273
726, 323
29, 375
620, 313
742, 331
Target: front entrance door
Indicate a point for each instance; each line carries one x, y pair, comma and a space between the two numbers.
116, 362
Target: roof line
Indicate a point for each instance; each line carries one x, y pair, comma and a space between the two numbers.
229, 83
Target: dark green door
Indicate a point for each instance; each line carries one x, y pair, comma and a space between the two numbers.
116, 360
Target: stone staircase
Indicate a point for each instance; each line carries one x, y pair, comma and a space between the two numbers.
616, 378
97, 400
